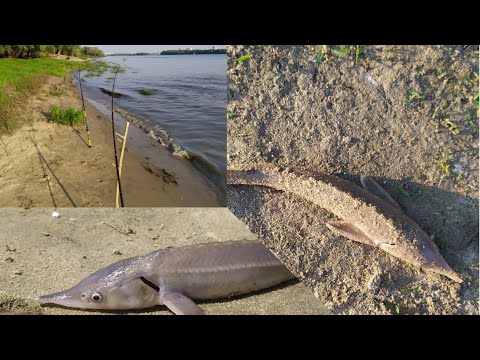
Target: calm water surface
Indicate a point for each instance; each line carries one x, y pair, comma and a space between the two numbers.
187, 110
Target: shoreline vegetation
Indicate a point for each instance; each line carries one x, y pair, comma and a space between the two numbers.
24, 69
175, 52
46, 162
36, 95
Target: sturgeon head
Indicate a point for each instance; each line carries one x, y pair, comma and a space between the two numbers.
410, 242
118, 286
413, 246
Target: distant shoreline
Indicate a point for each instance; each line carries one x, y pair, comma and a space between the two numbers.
176, 52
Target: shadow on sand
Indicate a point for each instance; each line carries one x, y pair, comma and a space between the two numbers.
45, 166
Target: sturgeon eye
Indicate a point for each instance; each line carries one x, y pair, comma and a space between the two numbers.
96, 296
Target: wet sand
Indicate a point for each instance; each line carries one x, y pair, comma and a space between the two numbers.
41, 254
48, 165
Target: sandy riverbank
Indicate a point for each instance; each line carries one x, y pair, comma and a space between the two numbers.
404, 115
49, 165
41, 254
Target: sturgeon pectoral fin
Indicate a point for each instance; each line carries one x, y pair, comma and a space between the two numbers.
180, 304
372, 186
350, 231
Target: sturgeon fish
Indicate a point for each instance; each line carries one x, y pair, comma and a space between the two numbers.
370, 215
175, 277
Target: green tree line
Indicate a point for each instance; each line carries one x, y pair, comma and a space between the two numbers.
34, 51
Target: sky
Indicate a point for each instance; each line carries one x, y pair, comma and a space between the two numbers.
150, 48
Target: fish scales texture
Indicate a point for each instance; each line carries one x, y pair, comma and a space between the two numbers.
215, 257
385, 225
220, 269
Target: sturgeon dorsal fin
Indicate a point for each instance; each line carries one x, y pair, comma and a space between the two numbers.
372, 186
350, 231
180, 304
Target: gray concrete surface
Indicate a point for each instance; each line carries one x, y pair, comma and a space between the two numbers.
41, 254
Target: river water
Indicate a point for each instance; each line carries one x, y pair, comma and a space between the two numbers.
186, 111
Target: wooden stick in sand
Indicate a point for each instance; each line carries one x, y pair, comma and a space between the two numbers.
123, 140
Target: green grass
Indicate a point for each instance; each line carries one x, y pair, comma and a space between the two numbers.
11, 95
20, 78
404, 190
358, 51
341, 51
231, 115
444, 164
452, 126
55, 92
475, 101
397, 309
414, 96
115, 69
68, 116
326, 52
321, 54
147, 92
13, 71
243, 58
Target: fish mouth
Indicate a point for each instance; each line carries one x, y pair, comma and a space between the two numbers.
59, 298
438, 264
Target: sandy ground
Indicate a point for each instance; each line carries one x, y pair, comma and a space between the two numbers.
66, 57
351, 119
42, 254
48, 165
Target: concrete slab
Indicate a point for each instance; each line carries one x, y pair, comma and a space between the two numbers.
41, 254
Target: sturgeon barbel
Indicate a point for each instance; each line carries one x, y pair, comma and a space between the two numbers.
369, 214
175, 277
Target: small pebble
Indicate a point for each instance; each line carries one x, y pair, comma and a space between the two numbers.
9, 259
8, 248
18, 272
162, 226
72, 219
458, 169
55, 214
374, 281
45, 234
116, 252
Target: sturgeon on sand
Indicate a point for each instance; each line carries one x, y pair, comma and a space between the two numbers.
369, 215
175, 276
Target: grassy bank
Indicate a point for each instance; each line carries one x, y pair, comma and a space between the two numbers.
68, 116
21, 78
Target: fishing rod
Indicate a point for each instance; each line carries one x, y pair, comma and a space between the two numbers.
115, 143
84, 112
65, 80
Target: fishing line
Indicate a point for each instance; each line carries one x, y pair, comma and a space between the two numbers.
84, 112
